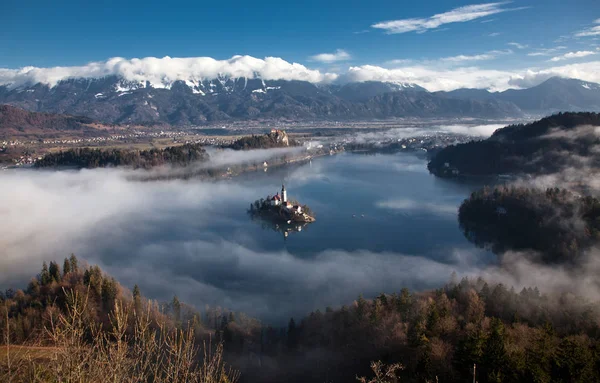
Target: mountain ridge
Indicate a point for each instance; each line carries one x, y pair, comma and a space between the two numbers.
113, 99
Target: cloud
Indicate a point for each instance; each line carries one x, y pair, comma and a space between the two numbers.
487, 21
434, 75
161, 72
484, 56
517, 45
494, 34
472, 130
593, 31
456, 15
435, 78
573, 55
338, 55
409, 205
546, 51
399, 62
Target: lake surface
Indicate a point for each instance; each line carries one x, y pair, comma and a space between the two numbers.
383, 223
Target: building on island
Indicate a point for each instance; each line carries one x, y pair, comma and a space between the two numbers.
281, 200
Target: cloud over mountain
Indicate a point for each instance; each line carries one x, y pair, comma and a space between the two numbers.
433, 75
163, 71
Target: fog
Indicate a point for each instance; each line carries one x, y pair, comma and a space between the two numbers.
475, 130
157, 235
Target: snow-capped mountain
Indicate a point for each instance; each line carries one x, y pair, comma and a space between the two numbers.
190, 101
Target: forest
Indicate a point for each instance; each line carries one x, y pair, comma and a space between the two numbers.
76, 314
557, 224
277, 139
97, 158
542, 147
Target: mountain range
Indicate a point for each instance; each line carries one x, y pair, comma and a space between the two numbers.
113, 99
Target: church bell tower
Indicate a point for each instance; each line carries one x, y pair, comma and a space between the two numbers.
283, 194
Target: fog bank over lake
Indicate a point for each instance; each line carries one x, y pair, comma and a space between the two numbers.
383, 222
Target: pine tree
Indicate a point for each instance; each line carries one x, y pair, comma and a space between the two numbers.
45, 275
109, 293
66, 267
54, 271
137, 300
74, 263
494, 353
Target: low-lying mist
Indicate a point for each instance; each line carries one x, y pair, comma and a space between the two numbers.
155, 234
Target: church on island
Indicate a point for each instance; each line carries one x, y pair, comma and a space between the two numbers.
282, 201
281, 210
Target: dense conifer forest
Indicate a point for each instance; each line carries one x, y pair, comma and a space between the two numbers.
542, 147
557, 224
278, 139
94, 158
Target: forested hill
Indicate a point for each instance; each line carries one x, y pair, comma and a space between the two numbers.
93, 158
511, 335
556, 224
18, 122
275, 139
542, 147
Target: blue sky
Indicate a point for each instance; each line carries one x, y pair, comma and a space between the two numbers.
500, 36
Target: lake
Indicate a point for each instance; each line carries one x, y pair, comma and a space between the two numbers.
383, 222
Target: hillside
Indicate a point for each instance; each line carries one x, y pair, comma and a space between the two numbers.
275, 139
16, 122
542, 147
556, 224
77, 315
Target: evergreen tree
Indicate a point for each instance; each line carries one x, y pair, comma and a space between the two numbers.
66, 267
74, 263
54, 271
45, 275
494, 352
109, 293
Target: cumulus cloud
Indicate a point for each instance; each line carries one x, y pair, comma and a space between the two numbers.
338, 55
447, 73
456, 15
573, 55
161, 72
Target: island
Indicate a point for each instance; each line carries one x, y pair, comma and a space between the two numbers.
281, 211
